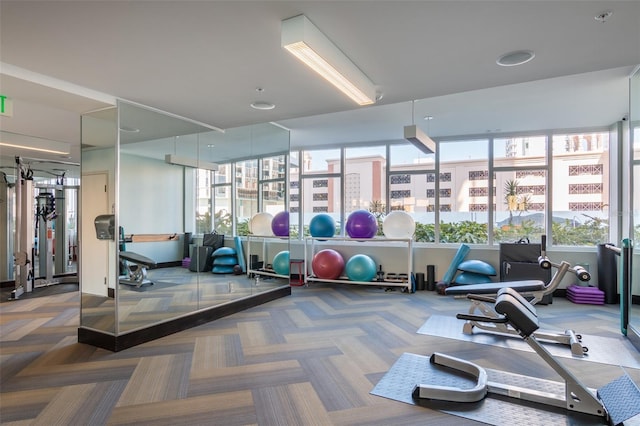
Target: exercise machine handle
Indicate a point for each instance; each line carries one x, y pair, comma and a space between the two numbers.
468, 317
581, 273
544, 262
616, 250
481, 298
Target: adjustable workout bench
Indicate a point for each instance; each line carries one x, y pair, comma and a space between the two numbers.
612, 402
136, 274
482, 298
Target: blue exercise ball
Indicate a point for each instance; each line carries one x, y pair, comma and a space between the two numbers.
280, 263
361, 268
362, 224
322, 225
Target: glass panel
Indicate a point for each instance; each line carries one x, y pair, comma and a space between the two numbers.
463, 192
246, 181
365, 186
294, 195
274, 189
98, 268
520, 151
221, 200
158, 201
580, 189
407, 155
321, 161
321, 195
169, 188
519, 205
636, 140
634, 125
412, 187
204, 221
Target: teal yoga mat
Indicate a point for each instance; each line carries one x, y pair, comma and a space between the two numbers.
462, 252
240, 253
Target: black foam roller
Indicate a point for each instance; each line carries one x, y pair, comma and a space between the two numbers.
186, 243
431, 277
607, 274
420, 281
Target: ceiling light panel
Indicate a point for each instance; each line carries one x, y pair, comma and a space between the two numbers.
30, 143
307, 43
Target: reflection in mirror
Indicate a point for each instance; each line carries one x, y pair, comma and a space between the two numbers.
97, 269
634, 137
176, 181
48, 214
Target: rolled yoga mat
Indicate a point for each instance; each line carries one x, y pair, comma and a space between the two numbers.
607, 274
462, 252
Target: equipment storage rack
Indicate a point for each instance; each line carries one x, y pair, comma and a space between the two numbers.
313, 244
252, 240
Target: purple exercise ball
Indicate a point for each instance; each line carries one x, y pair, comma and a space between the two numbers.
362, 224
280, 224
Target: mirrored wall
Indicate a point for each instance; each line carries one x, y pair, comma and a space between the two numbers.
149, 254
634, 136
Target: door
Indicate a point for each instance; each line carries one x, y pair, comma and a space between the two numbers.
94, 253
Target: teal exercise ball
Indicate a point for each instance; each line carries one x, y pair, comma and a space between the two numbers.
280, 263
322, 225
361, 268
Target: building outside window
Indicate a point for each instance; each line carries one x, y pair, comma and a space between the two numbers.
471, 198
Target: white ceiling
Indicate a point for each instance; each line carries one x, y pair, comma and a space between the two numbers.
204, 60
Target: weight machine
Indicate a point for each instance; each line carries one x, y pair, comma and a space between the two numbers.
35, 214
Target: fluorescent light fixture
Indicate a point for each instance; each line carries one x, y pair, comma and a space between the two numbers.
307, 43
30, 143
420, 139
190, 162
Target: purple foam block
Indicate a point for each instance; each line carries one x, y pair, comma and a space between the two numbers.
578, 289
585, 295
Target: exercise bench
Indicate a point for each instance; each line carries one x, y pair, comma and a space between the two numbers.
135, 267
615, 402
482, 297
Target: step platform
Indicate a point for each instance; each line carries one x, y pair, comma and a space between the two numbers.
585, 295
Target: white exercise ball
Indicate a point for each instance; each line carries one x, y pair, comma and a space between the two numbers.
260, 224
398, 224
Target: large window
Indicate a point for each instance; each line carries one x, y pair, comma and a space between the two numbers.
635, 129
412, 187
480, 191
520, 188
221, 204
580, 199
317, 190
463, 195
364, 186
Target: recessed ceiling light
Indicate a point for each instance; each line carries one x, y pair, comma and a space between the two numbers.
428, 117
264, 106
518, 57
129, 129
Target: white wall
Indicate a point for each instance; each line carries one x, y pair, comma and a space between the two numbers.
152, 202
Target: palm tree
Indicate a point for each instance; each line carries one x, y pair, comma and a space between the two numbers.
511, 197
